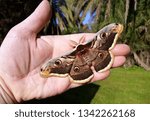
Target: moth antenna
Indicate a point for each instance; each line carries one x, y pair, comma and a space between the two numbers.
74, 44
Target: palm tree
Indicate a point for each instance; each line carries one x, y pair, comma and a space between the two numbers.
75, 13
127, 11
58, 19
68, 16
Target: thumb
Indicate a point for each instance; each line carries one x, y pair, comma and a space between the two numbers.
37, 20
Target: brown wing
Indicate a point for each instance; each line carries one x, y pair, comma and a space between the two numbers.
59, 66
103, 61
80, 71
81, 68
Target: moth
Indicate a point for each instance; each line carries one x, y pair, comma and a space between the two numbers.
78, 64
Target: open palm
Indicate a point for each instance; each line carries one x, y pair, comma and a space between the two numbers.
22, 53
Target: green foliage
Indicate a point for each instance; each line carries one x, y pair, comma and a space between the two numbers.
133, 14
138, 26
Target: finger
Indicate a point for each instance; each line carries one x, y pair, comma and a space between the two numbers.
100, 76
119, 61
37, 20
121, 50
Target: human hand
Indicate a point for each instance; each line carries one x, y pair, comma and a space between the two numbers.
22, 53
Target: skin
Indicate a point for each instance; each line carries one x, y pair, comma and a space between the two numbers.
22, 53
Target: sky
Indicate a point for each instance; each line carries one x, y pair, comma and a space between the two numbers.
87, 18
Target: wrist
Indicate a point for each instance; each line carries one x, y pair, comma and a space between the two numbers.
6, 95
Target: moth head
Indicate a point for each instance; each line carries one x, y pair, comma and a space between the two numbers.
108, 35
57, 66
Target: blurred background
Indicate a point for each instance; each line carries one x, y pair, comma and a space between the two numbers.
128, 84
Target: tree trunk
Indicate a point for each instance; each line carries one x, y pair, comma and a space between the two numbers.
140, 62
98, 11
129, 62
108, 9
127, 11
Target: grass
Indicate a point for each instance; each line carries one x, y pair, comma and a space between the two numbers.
124, 86
127, 86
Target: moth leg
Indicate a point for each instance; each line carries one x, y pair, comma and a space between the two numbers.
73, 43
82, 39
93, 69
